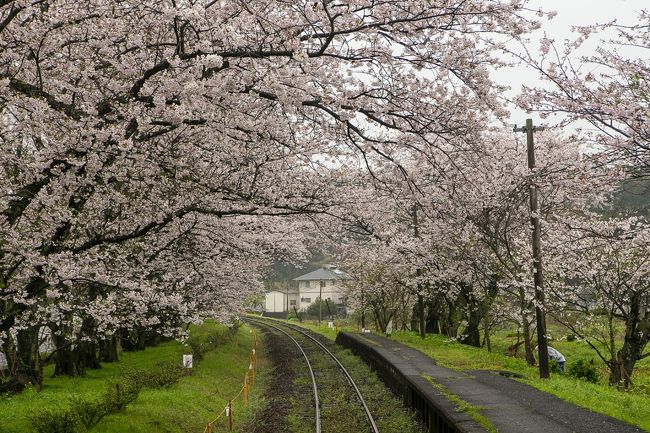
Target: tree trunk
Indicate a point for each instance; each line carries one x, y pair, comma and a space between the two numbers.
422, 321
66, 358
525, 327
472, 334
486, 333
637, 334
108, 349
528, 346
28, 368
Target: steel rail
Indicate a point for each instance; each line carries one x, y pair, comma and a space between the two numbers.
311, 371
371, 420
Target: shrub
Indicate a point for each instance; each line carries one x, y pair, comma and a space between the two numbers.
583, 369
53, 421
120, 395
88, 413
201, 344
554, 367
314, 307
82, 414
571, 337
164, 375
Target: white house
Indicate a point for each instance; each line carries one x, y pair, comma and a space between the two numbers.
275, 302
308, 287
327, 282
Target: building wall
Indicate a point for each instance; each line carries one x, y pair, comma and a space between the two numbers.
275, 302
308, 295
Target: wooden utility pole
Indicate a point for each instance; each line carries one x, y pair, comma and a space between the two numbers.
542, 343
418, 272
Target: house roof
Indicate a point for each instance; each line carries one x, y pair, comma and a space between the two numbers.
321, 274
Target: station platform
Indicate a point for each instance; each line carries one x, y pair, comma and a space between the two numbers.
511, 406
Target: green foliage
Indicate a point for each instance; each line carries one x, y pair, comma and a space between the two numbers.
320, 305
583, 369
160, 407
202, 342
82, 415
554, 367
570, 338
164, 375
292, 316
53, 421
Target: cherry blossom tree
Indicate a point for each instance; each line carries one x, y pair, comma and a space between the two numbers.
149, 149
602, 290
608, 89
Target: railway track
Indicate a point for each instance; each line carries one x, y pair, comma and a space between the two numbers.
301, 339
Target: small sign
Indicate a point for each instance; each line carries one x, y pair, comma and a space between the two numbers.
250, 366
253, 351
187, 361
227, 411
330, 325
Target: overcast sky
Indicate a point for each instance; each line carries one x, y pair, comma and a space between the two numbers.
570, 13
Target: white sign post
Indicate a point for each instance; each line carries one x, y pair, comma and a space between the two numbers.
187, 361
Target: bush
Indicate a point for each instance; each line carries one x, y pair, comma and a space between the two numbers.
82, 415
585, 370
554, 367
52, 421
313, 308
88, 413
201, 344
164, 375
120, 395
571, 337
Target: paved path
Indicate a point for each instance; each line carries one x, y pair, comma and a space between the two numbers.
513, 407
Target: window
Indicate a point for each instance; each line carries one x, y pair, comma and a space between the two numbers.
292, 302
324, 283
306, 284
306, 300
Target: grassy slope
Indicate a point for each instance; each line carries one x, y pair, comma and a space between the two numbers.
185, 407
629, 407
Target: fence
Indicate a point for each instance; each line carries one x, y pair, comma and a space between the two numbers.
244, 391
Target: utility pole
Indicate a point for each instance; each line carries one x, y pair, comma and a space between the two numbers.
287, 310
542, 343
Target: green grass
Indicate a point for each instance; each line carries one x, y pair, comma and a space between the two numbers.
184, 407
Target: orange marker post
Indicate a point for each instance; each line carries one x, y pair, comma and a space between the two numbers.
230, 414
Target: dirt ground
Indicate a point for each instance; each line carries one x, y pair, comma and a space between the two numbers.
280, 391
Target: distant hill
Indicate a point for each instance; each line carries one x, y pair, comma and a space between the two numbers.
632, 197
281, 273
